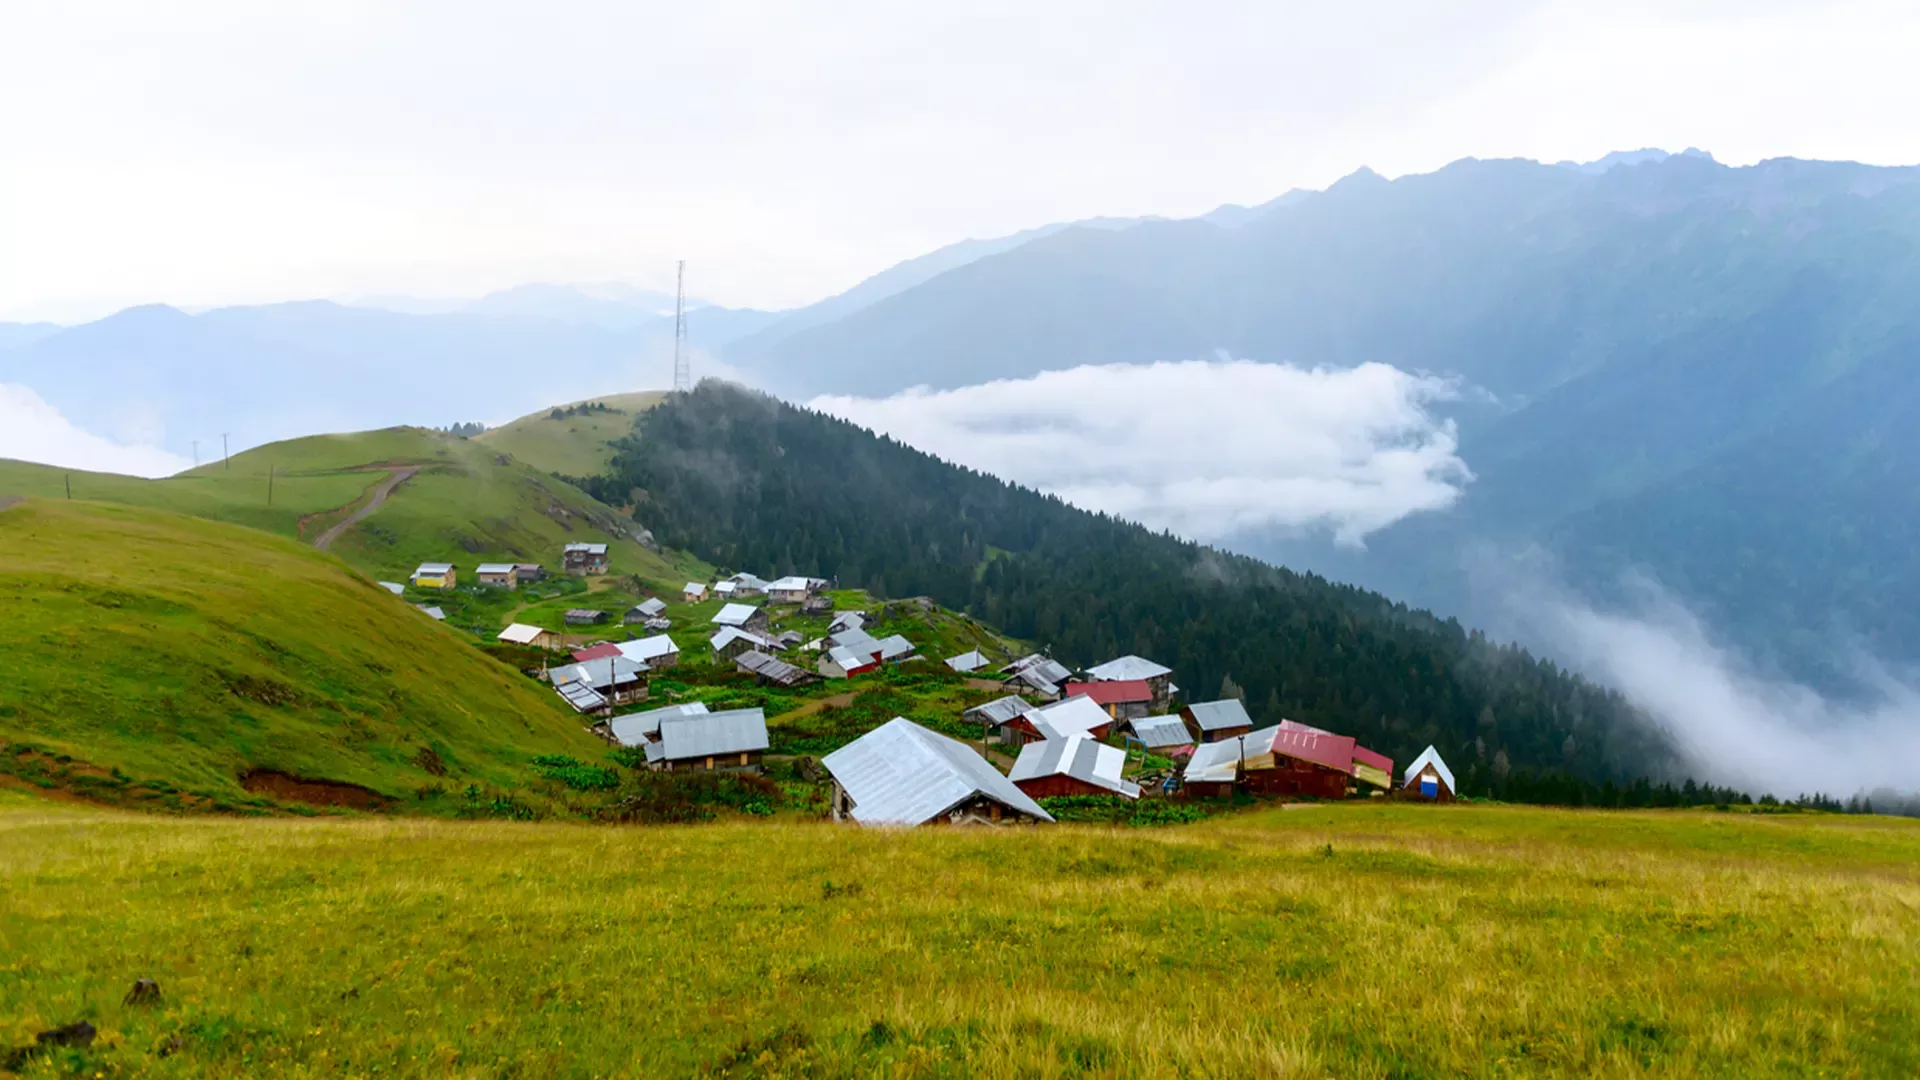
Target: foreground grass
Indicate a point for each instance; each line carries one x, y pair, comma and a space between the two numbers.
1335, 940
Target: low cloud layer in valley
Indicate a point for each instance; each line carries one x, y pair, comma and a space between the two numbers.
32, 430
1204, 448
1734, 723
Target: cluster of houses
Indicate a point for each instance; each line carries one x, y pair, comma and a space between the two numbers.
905, 774
578, 559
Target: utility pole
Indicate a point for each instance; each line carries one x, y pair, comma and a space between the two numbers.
682, 363
196, 453
269, 483
225, 459
69, 485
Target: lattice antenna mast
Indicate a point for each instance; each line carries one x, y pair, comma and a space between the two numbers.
682, 362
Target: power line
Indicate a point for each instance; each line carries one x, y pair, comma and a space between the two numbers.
682, 363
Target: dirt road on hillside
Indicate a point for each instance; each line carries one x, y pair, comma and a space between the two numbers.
395, 477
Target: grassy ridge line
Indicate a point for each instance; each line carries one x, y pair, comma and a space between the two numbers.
184, 652
1354, 940
578, 445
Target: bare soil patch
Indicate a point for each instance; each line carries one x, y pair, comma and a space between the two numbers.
279, 785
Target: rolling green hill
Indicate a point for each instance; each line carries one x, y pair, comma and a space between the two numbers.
467, 502
573, 443
168, 657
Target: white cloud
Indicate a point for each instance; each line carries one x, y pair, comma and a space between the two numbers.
1207, 449
32, 430
1733, 724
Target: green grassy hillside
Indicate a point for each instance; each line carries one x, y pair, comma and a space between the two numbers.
468, 503
1349, 941
572, 445
168, 656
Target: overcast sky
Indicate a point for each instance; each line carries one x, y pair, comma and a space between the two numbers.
219, 151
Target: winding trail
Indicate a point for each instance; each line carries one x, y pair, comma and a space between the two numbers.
395, 477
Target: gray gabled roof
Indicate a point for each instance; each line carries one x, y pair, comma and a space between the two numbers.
902, 774
636, 728
998, 711
1128, 667
848, 620
768, 667
728, 634
894, 646
735, 615
736, 731
496, 568
595, 672
652, 606
1219, 715
1078, 757
1076, 715
434, 613
582, 697
1039, 668
853, 638
972, 660
393, 587
590, 549
1160, 732
1032, 677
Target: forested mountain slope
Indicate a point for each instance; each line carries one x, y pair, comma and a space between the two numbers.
742, 479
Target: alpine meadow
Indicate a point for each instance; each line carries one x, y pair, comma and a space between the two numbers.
927, 541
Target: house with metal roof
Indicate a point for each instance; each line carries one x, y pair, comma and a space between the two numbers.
584, 699
1061, 720
1369, 767
1277, 760
656, 652
843, 662
585, 617
1213, 770
393, 587
1072, 766
596, 652
853, 638
748, 584
972, 660
694, 592
741, 617
729, 643
847, 620
1160, 734
773, 671
645, 612
1429, 778
902, 774
498, 575
894, 648
1158, 677
1212, 721
638, 729
528, 572
1124, 699
731, 741
996, 712
616, 678
522, 634
793, 589
434, 575
582, 559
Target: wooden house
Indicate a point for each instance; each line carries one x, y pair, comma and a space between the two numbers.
529, 572
1124, 699
1159, 679
793, 589
615, 678
1036, 675
902, 774
657, 652
846, 661
742, 617
639, 729
585, 617
1212, 721
996, 713
694, 592
728, 643
1429, 778
498, 575
969, 661
1160, 734
522, 634
1072, 766
583, 559
1064, 719
731, 741
644, 611
435, 575
773, 671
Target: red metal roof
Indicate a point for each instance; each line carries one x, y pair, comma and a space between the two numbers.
1116, 691
1318, 747
598, 652
1380, 761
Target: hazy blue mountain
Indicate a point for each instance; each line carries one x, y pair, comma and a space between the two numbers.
1688, 368
1629, 157
156, 374
14, 334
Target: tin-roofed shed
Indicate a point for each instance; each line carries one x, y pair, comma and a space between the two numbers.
902, 774
1072, 766
731, 741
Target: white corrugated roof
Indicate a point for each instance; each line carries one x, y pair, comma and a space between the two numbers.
648, 648
432, 569
520, 634
1079, 757
591, 549
495, 568
973, 660
999, 710
734, 615
653, 605
1219, 715
791, 583
1128, 667
1160, 732
727, 634
393, 587
696, 588
1076, 715
736, 731
893, 647
1427, 757
582, 697
902, 774
636, 728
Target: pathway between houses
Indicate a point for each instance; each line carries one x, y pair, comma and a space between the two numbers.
395, 477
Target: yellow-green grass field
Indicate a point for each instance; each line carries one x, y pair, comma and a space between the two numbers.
577, 445
168, 656
1340, 940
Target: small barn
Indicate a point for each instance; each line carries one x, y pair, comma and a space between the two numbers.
585, 617
741, 617
731, 741
529, 572
996, 713
1063, 719
639, 729
1036, 675
583, 559
522, 634
773, 671
793, 590
1072, 766
844, 662
847, 620
657, 652
644, 611
615, 678
894, 648
694, 592
1429, 778
972, 660
902, 774
435, 575
1212, 721
497, 575
748, 585
1160, 734
729, 643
